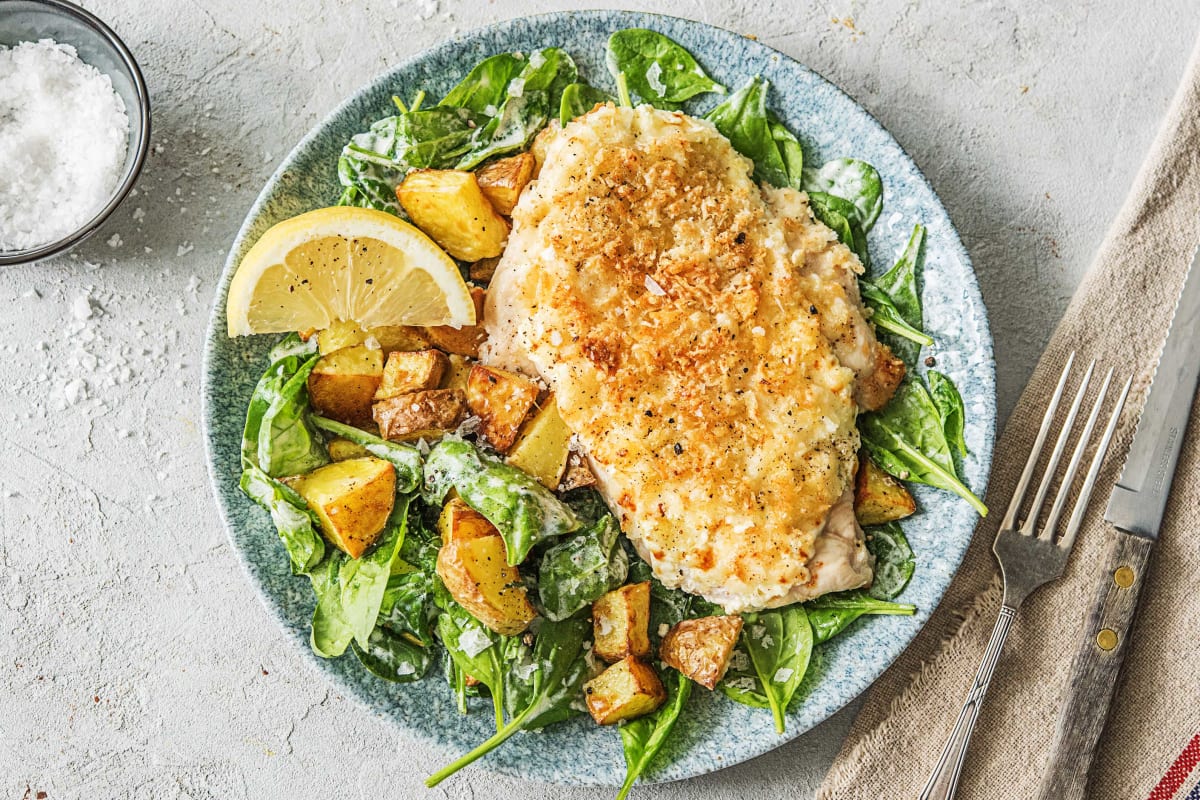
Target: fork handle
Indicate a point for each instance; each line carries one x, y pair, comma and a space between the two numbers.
944, 780
1096, 668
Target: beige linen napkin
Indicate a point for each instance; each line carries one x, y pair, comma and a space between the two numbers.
1119, 316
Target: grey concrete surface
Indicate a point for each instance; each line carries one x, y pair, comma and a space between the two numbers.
135, 660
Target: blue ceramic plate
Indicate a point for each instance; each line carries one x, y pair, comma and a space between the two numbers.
714, 732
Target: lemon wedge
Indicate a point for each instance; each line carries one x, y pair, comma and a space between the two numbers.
350, 265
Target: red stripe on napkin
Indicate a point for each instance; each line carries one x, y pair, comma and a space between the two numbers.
1178, 772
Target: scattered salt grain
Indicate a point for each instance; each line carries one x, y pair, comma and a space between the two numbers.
63, 122
473, 642
653, 288
783, 675
81, 307
184, 249
114, 241
663, 629
516, 87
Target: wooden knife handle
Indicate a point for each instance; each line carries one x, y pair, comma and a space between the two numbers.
1096, 667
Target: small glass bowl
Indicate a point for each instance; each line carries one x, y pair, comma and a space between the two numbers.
97, 45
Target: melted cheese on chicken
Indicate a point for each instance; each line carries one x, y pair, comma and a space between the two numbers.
706, 344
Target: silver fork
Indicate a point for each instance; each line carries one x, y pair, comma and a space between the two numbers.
1029, 555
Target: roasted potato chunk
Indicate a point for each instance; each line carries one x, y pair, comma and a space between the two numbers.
628, 689
878, 497
464, 341
458, 370
448, 205
578, 474
427, 413
483, 270
621, 622
352, 499
389, 337
502, 180
544, 445
343, 449
501, 399
477, 575
412, 371
342, 385
701, 648
458, 521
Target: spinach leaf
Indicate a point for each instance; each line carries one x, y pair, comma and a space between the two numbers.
405, 458
841, 216
644, 737
331, 629
578, 99
578, 570
660, 71
393, 657
779, 642
757, 134
544, 684
483, 90
286, 443
900, 282
907, 439
894, 561
528, 694
950, 408
374, 163
885, 315
364, 580
741, 683
831, 614
524, 511
297, 526
476, 650
530, 99
587, 503
850, 179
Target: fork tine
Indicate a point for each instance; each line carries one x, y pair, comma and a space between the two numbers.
1089, 483
1064, 488
1029, 528
1014, 505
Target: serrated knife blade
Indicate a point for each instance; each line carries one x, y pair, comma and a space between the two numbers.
1140, 496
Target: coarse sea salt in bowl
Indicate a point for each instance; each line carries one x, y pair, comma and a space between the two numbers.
82, 33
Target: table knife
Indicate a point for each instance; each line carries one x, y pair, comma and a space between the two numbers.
1135, 512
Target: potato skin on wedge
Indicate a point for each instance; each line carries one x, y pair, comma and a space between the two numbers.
464, 341
477, 575
428, 413
628, 689
352, 499
342, 384
458, 522
544, 445
878, 497
502, 180
411, 371
501, 399
701, 648
621, 622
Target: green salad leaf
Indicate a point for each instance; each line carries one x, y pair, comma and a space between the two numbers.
483, 89
577, 570
841, 216
332, 630
524, 511
894, 560
544, 683
657, 69
393, 657
578, 99
364, 581
410, 466
476, 650
908, 440
760, 136
900, 282
950, 408
644, 737
779, 644
530, 100
852, 180
298, 527
831, 614
277, 438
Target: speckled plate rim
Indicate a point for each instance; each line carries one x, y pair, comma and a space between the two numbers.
897, 632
